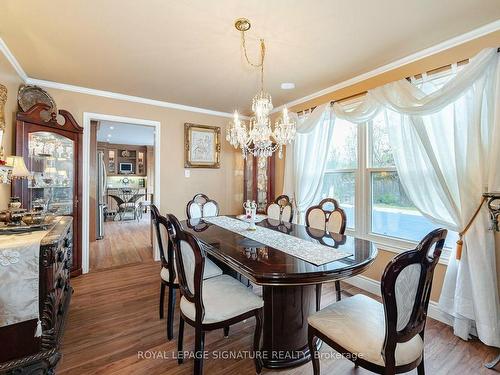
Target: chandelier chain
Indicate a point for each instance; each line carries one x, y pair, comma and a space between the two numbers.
262, 57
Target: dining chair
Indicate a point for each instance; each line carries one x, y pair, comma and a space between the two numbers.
120, 204
388, 337
127, 202
327, 216
201, 206
136, 205
213, 303
281, 209
165, 235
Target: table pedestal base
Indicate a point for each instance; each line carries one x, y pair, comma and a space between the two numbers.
286, 309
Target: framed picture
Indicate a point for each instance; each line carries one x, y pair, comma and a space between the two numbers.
201, 146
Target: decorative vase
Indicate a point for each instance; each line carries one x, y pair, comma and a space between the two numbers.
250, 213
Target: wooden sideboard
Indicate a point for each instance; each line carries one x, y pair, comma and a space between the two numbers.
21, 352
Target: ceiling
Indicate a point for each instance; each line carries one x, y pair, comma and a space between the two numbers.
188, 52
125, 134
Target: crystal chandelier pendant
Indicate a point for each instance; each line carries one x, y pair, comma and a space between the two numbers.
258, 139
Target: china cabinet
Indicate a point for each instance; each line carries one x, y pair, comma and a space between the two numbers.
52, 152
258, 181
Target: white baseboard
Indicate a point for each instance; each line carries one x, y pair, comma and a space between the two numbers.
373, 287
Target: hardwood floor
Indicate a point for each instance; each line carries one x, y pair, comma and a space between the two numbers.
113, 318
125, 242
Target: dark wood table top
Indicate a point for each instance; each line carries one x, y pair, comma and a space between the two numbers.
268, 266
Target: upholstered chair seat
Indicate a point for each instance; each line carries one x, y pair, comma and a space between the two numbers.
358, 325
223, 299
211, 270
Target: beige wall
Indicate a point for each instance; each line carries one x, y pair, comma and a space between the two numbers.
10, 79
219, 184
452, 55
223, 184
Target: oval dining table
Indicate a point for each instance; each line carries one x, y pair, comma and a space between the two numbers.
288, 282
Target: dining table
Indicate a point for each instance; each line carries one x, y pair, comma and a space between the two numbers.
288, 260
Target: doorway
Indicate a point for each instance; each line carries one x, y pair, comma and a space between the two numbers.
121, 181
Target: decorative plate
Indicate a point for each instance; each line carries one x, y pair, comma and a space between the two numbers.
125, 153
30, 95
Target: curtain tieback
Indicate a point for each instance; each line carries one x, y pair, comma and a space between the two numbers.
461, 234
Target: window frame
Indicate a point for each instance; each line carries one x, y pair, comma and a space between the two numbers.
356, 172
363, 206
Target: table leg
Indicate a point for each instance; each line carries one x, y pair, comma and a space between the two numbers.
286, 309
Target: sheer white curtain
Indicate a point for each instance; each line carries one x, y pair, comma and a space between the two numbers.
442, 142
446, 148
306, 158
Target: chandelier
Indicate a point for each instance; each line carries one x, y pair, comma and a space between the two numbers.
257, 138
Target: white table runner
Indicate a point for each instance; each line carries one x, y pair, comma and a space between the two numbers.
19, 284
311, 252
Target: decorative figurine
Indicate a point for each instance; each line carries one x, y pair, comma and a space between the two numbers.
250, 212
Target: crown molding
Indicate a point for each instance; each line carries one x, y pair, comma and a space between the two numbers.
474, 34
13, 61
102, 93
447, 44
124, 97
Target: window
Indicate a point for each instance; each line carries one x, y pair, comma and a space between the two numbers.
392, 212
361, 174
340, 177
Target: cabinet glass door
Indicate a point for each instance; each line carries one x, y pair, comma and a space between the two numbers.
262, 183
141, 170
51, 161
257, 184
112, 162
249, 179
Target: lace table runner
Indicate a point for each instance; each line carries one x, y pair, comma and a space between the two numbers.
19, 269
311, 252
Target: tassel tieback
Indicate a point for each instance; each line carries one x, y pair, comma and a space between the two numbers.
460, 242
38, 332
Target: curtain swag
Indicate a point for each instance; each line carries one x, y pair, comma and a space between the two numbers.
446, 147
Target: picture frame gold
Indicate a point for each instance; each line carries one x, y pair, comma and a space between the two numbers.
201, 146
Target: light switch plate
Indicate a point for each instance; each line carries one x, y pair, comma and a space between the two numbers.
187, 173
